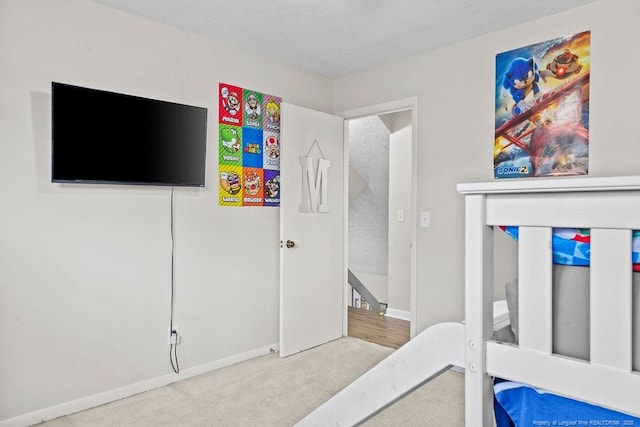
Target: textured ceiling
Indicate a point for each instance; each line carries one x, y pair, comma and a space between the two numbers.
338, 37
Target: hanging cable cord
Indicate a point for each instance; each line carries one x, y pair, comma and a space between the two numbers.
173, 345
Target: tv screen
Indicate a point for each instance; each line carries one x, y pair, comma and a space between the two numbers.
113, 138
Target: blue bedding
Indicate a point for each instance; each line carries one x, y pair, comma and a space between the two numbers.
519, 405
572, 246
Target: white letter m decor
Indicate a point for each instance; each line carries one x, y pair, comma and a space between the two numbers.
314, 189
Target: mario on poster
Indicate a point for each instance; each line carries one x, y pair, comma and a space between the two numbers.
542, 109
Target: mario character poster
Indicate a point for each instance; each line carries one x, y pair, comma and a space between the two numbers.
248, 147
230, 144
253, 187
230, 185
271, 187
271, 158
542, 109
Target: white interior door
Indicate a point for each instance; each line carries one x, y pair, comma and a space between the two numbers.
311, 228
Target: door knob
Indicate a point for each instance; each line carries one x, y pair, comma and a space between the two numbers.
290, 244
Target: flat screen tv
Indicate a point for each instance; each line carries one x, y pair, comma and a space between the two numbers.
113, 138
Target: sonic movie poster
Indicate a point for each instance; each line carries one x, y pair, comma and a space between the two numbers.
542, 109
248, 147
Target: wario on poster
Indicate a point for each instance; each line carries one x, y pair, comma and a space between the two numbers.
542, 109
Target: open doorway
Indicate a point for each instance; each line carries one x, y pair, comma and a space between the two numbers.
380, 147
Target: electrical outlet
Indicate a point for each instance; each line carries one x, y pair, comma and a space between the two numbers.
174, 335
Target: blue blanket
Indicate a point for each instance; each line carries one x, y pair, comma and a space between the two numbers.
572, 246
519, 405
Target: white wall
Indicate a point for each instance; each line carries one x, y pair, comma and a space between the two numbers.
369, 209
455, 89
400, 199
85, 269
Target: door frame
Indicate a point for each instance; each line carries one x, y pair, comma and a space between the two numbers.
403, 104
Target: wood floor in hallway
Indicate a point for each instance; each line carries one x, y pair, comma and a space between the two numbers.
368, 325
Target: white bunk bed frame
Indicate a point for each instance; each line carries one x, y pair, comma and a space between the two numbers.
610, 207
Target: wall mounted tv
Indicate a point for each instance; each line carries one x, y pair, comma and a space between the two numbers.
113, 138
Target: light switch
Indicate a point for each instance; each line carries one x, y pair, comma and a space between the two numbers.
425, 219
400, 215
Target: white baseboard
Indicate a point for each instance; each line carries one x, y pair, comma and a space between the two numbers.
398, 314
129, 390
458, 369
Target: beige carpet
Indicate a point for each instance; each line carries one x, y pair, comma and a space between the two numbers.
271, 391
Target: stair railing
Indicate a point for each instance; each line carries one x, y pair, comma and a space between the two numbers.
359, 287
